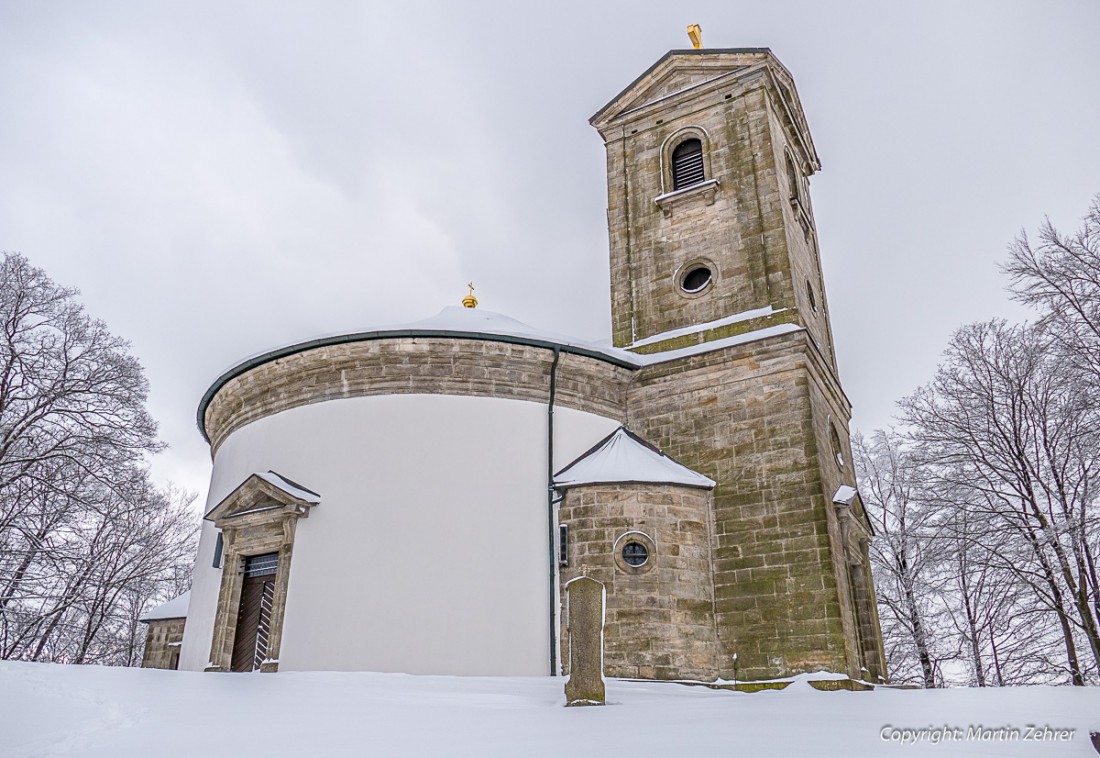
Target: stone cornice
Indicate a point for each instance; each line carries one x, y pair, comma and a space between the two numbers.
246, 367
416, 365
785, 316
745, 66
669, 62
746, 79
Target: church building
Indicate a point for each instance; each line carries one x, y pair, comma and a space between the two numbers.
414, 498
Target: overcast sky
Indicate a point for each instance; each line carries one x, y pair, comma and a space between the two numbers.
226, 177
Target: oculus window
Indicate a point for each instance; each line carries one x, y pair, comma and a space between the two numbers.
696, 279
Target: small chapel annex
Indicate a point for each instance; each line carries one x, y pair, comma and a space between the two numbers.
414, 498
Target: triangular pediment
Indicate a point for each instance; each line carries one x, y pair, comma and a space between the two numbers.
677, 71
686, 75
263, 491
676, 79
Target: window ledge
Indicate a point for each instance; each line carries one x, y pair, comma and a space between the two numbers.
707, 189
801, 214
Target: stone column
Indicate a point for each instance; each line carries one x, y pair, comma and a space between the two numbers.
278, 603
586, 615
874, 657
229, 600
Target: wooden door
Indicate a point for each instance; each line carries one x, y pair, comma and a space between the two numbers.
254, 616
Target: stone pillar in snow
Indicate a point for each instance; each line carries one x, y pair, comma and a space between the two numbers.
586, 615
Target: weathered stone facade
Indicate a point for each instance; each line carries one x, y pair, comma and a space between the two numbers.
257, 519
162, 644
385, 364
660, 616
764, 577
585, 603
744, 417
763, 419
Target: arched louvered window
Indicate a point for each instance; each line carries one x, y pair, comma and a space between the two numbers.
792, 179
687, 164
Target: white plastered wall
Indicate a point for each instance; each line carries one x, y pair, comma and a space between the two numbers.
428, 552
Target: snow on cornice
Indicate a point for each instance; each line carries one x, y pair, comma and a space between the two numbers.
696, 328
293, 489
845, 495
707, 347
476, 320
471, 323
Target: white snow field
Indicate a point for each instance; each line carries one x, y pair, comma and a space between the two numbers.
50, 710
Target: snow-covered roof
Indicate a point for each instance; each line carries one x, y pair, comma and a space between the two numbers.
455, 318
844, 495
475, 322
293, 489
249, 497
175, 608
622, 458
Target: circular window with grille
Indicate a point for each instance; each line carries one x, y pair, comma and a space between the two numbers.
634, 552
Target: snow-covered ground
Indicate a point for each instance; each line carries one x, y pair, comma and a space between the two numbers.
48, 710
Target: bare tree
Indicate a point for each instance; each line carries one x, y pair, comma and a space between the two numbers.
1005, 424
987, 516
903, 556
1060, 276
86, 541
1002, 636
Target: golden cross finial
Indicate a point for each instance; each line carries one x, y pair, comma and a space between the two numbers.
470, 301
695, 33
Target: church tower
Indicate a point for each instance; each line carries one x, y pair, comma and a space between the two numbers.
708, 157
715, 275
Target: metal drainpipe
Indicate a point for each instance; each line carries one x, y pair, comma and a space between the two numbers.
550, 511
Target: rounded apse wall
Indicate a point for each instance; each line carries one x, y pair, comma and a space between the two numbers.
411, 365
428, 551
650, 546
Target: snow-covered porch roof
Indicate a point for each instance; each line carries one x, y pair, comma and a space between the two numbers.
263, 490
625, 458
176, 608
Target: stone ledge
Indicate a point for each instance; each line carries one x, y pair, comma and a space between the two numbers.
415, 365
707, 189
836, 685
823, 685
786, 316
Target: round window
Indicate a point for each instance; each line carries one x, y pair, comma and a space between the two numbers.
696, 279
635, 554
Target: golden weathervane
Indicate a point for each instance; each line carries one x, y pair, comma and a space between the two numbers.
695, 32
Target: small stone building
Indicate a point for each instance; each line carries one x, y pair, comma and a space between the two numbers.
165, 633
414, 498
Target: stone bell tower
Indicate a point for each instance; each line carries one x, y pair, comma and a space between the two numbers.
715, 274
708, 157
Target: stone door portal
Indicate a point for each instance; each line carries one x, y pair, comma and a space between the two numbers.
254, 616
